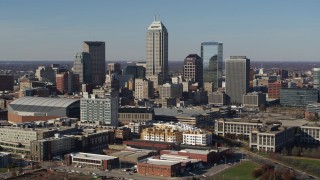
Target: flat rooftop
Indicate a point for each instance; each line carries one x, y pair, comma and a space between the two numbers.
161, 162
92, 156
181, 112
196, 151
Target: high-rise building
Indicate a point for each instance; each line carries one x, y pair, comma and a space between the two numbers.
212, 55
157, 52
114, 68
100, 110
316, 77
192, 69
237, 78
67, 82
97, 51
82, 67
136, 71
143, 89
6, 82
45, 74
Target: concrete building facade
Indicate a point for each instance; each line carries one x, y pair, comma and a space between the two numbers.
100, 110
237, 78
157, 52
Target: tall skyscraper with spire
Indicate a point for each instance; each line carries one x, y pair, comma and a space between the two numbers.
157, 53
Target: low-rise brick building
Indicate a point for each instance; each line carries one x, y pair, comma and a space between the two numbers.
159, 167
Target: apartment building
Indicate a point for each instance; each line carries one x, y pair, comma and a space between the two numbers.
197, 138
162, 133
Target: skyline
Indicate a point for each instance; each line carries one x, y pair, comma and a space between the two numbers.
262, 31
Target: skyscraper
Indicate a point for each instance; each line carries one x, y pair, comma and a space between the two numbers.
97, 50
212, 55
193, 69
157, 52
82, 67
316, 77
237, 78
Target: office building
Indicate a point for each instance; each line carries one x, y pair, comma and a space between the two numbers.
271, 138
274, 89
29, 109
45, 74
6, 82
217, 98
316, 77
212, 55
136, 71
168, 90
67, 82
88, 160
114, 68
128, 115
46, 149
96, 50
298, 97
143, 89
254, 99
100, 110
236, 126
82, 67
18, 139
193, 69
157, 53
237, 78
310, 134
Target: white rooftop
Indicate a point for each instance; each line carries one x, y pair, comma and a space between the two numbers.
161, 162
157, 25
92, 156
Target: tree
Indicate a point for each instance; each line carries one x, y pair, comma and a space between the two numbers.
295, 151
257, 172
284, 151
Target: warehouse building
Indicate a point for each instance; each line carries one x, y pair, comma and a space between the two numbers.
158, 167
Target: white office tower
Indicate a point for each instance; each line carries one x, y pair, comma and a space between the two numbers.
157, 53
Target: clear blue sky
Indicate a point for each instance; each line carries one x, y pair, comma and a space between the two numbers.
261, 30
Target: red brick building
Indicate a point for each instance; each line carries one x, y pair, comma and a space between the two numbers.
157, 167
92, 160
274, 90
207, 156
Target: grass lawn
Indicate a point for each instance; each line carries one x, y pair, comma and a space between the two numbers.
315, 162
3, 170
241, 172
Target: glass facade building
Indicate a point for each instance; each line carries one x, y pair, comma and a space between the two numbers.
212, 55
298, 97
